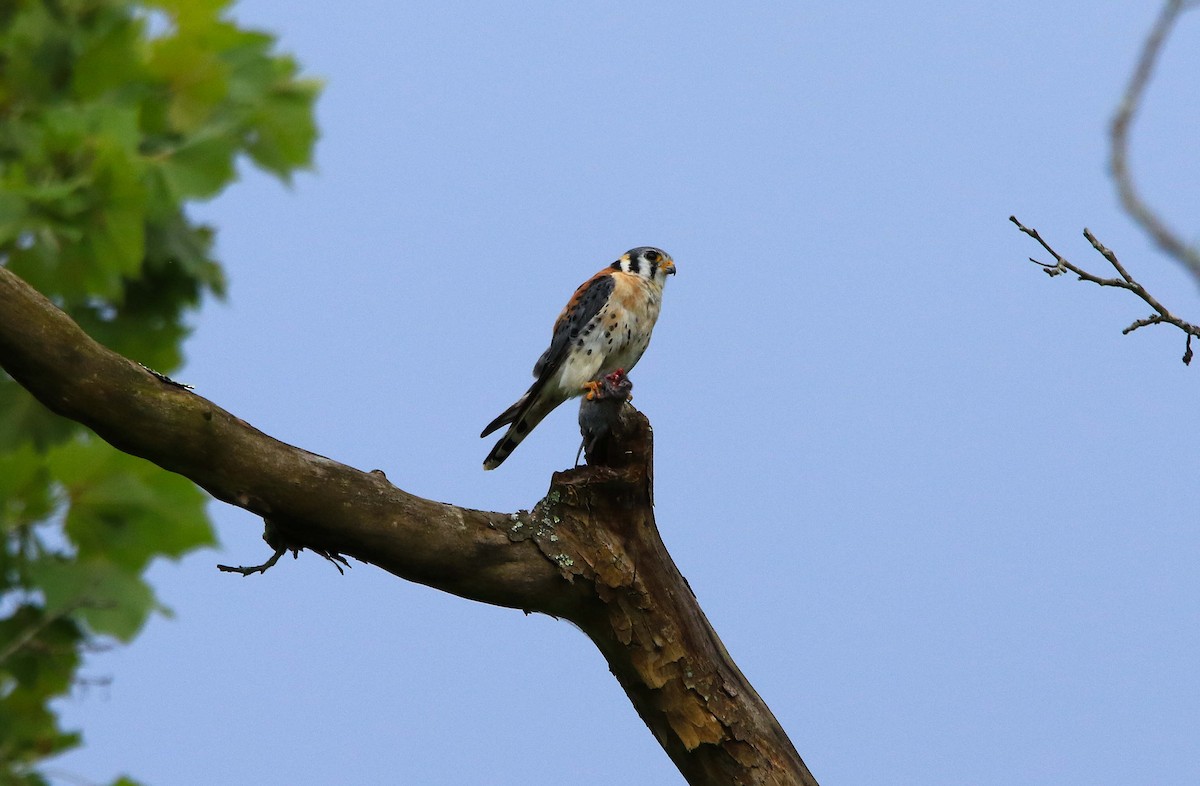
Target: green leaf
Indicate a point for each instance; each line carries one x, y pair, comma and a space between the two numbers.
107, 134
39, 653
117, 216
25, 495
196, 78
192, 13
175, 242
24, 421
40, 650
108, 597
125, 509
284, 130
109, 61
30, 733
200, 168
151, 339
13, 216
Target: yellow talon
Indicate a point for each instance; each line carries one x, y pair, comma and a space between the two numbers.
592, 388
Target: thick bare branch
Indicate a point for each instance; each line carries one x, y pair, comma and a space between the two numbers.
1161, 316
1127, 110
314, 501
589, 552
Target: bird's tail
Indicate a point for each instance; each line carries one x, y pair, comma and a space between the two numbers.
507, 416
522, 418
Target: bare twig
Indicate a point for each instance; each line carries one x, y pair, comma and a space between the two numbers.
1126, 281
1154, 226
276, 538
335, 559
250, 570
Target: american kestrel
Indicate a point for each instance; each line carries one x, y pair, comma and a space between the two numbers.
606, 326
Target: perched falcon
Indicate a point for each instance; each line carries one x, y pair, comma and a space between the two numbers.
605, 326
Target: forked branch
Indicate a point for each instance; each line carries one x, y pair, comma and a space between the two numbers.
1152, 224
1161, 315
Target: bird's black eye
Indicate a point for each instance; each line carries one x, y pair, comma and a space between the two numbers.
652, 256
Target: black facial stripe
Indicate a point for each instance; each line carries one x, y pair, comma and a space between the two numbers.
635, 265
654, 267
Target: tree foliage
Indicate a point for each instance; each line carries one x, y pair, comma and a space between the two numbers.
114, 115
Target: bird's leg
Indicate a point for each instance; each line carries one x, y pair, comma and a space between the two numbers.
593, 389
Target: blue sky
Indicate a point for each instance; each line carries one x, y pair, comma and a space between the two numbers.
941, 512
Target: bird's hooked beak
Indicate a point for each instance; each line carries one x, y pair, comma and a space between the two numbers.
669, 267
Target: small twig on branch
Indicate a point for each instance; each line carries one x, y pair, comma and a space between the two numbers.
1126, 281
249, 570
1131, 101
273, 535
337, 560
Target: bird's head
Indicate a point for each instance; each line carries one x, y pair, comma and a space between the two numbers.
648, 262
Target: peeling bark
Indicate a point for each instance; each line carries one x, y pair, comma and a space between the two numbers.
589, 551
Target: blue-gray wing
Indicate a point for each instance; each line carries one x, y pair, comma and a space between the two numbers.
585, 304
529, 410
